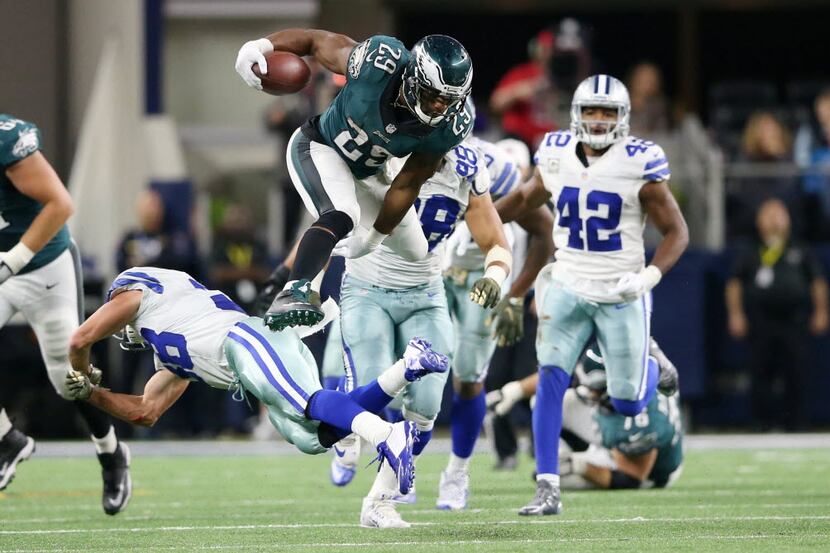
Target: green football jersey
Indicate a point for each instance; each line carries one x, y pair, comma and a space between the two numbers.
366, 124
657, 426
19, 140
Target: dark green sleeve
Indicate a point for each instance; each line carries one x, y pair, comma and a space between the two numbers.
18, 140
375, 59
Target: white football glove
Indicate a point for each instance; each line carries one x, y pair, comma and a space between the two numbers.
5, 272
252, 52
502, 401
360, 243
633, 285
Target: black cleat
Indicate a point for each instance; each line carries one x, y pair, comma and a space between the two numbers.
14, 448
118, 487
545, 502
298, 305
668, 380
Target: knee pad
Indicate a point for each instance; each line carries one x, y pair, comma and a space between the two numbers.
422, 423
338, 222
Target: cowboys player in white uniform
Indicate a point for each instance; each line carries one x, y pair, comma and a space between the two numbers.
474, 343
200, 335
384, 297
603, 184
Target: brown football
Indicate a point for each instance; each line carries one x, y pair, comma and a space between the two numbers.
287, 73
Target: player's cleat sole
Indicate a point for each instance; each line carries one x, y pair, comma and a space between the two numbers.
453, 491
380, 513
118, 485
294, 306
545, 502
15, 448
421, 360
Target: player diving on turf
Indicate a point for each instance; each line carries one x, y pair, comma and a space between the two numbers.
200, 335
395, 103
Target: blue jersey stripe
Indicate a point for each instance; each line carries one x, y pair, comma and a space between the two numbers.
505, 172
139, 274
273, 354
655, 163
509, 184
265, 371
659, 175
121, 282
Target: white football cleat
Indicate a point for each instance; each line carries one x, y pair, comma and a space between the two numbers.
380, 513
396, 450
453, 489
344, 461
421, 360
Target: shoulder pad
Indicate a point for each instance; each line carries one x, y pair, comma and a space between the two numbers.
18, 140
553, 145
376, 58
134, 279
648, 159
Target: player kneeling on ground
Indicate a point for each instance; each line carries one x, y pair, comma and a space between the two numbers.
618, 452
201, 335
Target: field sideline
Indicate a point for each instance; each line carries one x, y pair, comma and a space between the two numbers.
730, 498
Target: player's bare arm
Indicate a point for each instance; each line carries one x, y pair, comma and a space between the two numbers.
34, 177
404, 189
487, 231
111, 318
539, 225
530, 195
331, 50
635, 467
662, 209
160, 393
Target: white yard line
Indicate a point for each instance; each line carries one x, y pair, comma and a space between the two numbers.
412, 543
771, 518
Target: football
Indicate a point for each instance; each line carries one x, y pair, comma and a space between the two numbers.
287, 73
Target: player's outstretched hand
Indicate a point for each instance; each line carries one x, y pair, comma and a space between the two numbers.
485, 292
79, 386
360, 243
253, 52
502, 401
508, 316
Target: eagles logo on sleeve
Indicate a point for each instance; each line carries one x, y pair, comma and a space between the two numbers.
357, 57
27, 143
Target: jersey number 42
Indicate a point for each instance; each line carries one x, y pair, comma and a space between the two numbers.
569, 217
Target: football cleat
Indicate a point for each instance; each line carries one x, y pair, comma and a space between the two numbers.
15, 447
118, 487
344, 461
667, 382
421, 360
297, 305
545, 502
396, 450
453, 490
380, 513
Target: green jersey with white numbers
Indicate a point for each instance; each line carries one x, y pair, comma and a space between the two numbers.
366, 124
19, 140
657, 426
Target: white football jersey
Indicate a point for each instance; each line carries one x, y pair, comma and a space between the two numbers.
504, 176
440, 205
184, 322
599, 219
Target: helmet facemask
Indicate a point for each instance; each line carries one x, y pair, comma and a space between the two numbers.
130, 340
590, 131
425, 81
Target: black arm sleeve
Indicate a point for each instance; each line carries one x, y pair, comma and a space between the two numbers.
622, 481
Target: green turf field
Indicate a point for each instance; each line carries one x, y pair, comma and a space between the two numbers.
769, 500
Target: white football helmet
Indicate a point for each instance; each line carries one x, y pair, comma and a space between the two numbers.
600, 91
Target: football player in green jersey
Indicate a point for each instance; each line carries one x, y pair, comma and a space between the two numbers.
40, 277
395, 102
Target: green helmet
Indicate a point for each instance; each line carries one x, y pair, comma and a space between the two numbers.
440, 68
